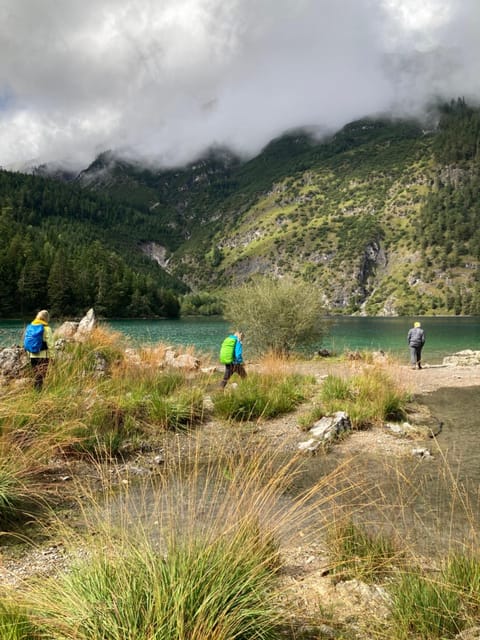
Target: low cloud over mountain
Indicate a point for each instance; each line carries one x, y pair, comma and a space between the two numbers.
161, 81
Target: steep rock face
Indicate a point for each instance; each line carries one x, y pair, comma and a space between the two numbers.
156, 252
373, 260
355, 214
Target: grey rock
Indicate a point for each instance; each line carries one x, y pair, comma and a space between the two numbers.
398, 429
311, 445
86, 326
330, 427
12, 362
77, 331
421, 452
67, 330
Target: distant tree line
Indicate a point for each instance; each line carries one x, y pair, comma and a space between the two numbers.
67, 250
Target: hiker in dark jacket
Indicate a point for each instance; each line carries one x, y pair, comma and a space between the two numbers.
231, 355
416, 340
40, 359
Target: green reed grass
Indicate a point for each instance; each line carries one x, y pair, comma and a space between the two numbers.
88, 412
462, 572
425, 607
15, 624
221, 589
356, 553
307, 419
262, 396
21, 492
177, 412
369, 397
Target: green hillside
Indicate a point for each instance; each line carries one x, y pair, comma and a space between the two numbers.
381, 218
68, 249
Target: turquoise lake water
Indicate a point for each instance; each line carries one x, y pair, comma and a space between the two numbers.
444, 336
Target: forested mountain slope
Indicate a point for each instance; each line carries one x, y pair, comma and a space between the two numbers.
68, 249
381, 218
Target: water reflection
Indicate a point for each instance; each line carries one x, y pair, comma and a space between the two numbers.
432, 504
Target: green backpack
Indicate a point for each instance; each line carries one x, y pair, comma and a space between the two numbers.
227, 350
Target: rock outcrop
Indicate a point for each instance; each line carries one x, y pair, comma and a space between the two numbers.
465, 358
325, 430
12, 362
77, 331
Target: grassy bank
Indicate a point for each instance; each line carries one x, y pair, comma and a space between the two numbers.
206, 544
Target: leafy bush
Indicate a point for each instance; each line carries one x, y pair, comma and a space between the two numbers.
277, 315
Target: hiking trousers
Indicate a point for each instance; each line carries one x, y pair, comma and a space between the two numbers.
415, 355
230, 369
39, 366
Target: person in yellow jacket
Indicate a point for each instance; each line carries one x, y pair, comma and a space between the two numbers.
39, 359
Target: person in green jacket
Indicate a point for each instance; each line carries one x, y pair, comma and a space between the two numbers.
39, 360
231, 355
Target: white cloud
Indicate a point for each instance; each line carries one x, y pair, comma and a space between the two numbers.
167, 79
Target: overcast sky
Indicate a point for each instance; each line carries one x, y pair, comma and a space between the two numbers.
164, 79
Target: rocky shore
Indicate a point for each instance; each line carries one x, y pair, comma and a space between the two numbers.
305, 577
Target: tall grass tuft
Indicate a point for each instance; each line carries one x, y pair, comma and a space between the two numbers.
262, 396
21, 492
15, 623
369, 397
177, 412
462, 571
425, 607
195, 589
100, 411
357, 553
196, 556
440, 604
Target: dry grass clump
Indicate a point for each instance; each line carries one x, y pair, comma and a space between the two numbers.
196, 556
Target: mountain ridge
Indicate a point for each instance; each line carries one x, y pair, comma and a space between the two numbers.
380, 217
